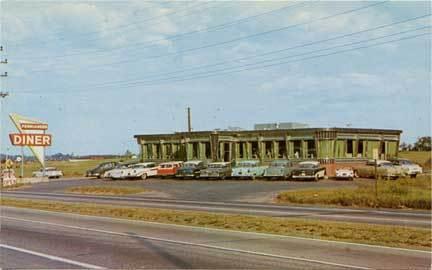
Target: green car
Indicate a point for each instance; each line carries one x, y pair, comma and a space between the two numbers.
248, 169
279, 169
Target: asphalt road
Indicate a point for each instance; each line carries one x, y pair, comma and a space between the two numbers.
38, 239
374, 216
199, 190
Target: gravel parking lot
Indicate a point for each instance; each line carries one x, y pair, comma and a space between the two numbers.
222, 191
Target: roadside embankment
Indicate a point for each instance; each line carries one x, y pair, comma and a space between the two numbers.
105, 190
401, 193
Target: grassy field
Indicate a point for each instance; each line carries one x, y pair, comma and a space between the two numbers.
395, 236
76, 168
422, 158
403, 193
105, 190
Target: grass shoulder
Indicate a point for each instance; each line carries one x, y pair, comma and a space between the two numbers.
105, 190
401, 193
394, 236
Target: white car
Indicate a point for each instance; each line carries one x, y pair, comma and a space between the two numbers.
116, 173
50, 172
345, 173
141, 170
408, 167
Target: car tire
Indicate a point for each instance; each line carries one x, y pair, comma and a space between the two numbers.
413, 175
144, 176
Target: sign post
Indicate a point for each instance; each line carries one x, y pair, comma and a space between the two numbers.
31, 134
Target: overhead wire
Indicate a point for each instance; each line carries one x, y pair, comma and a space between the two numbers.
259, 65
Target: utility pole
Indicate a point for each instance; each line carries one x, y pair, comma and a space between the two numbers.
189, 119
3, 95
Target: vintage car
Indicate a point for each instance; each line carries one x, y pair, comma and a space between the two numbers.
8, 178
169, 168
384, 169
345, 173
308, 170
280, 169
140, 170
50, 172
219, 170
116, 173
190, 169
101, 169
409, 168
248, 169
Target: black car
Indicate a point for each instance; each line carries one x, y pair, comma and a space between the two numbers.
190, 169
308, 170
101, 169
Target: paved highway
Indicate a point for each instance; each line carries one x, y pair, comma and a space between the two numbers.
392, 217
39, 239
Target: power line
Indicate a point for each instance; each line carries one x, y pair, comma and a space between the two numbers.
236, 69
181, 52
173, 37
130, 24
200, 67
290, 56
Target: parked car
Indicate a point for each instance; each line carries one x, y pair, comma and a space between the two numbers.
8, 178
309, 170
50, 172
116, 173
101, 169
408, 167
219, 170
345, 173
248, 169
169, 168
191, 169
280, 169
384, 169
140, 170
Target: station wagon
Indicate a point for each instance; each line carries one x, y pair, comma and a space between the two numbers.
279, 169
169, 168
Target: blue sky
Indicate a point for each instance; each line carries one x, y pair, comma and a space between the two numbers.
100, 72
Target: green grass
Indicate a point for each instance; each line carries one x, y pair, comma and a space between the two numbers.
69, 168
402, 193
105, 190
395, 236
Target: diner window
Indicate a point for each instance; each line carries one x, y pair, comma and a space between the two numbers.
282, 150
297, 149
311, 149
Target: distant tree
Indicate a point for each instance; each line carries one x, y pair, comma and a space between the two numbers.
405, 147
422, 144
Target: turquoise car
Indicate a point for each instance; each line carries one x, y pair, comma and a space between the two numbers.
248, 169
279, 169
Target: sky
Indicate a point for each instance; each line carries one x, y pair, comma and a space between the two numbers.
99, 72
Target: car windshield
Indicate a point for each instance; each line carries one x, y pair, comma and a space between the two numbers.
246, 164
307, 165
279, 164
190, 165
217, 166
386, 164
166, 166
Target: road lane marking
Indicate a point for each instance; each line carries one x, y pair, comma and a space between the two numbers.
195, 244
222, 230
173, 201
51, 257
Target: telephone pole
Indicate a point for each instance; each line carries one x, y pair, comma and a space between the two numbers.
3, 95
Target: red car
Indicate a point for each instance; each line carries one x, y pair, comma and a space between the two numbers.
169, 168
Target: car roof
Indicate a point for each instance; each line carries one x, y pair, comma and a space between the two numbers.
143, 164
219, 163
248, 161
196, 162
310, 162
171, 162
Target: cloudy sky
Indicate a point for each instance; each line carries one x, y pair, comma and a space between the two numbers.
100, 72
